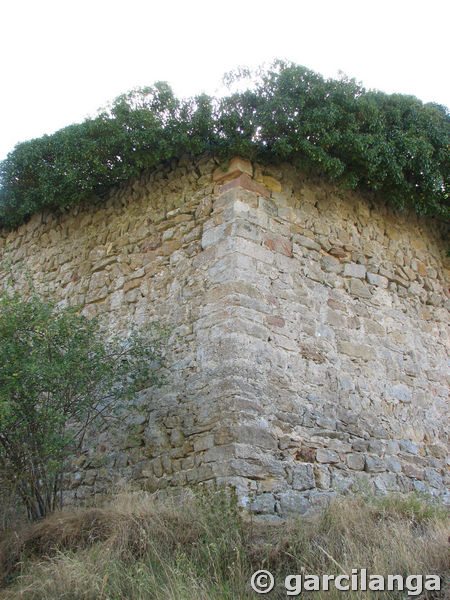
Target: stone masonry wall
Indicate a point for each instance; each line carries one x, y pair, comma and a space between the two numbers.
309, 337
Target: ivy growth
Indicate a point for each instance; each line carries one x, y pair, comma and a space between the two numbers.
393, 145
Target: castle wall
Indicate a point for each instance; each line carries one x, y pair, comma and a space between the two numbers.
309, 333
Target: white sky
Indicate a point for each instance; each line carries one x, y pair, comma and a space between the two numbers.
62, 60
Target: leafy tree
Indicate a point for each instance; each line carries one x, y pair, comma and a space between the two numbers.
393, 145
58, 375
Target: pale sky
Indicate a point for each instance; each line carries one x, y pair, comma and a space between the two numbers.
62, 60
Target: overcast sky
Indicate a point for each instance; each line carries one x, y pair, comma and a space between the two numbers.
62, 60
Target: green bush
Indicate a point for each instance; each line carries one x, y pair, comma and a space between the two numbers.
393, 145
58, 376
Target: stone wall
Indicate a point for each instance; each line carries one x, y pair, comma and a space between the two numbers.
309, 333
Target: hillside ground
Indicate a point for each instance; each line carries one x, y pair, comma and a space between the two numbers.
132, 547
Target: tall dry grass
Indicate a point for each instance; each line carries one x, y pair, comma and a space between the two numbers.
201, 548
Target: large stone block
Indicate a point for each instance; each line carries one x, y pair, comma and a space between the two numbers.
354, 270
236, 167
374, 464
361, 351
293, 503
323, 455
355, 462
301, 477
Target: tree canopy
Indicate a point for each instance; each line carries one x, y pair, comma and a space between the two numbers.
393, 145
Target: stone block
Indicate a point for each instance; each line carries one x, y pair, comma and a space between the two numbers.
219, 454
271, 183
245, 182
413, 471
279, 244
273, 321
257, 435
402, 393
263, 504
236, 167
323, 455
319, 500
77, 479
337, 251
134, 283
331, 264
392, 464
374, 464
355, 462
336, 319
434, 478
306, 242
213, 236
408, 446
301, 476
354, 270
437, 450
245, 229
358, 288
322, 476
335, 443
176, 438
392, 446
132, 296
386, 482
377, 280
375, 446
306, 454
157, 467
293, 503
243, 468
357, 351
268, 206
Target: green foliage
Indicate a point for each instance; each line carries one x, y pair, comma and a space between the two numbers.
393, 145
57, 377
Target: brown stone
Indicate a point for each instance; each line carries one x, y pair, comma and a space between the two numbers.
337, 251
306, 454
421, 269
245, 182
134, 283
357, 350
412, 471
275, 321
236, 167
310, 352
151, 243
279, 244
272, 183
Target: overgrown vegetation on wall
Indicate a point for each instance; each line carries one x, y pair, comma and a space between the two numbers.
393, 145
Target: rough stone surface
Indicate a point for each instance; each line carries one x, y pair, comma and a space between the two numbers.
309, 333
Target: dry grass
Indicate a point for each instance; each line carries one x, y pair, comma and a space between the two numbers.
201, 548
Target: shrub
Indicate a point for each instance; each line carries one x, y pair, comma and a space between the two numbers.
58, 375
